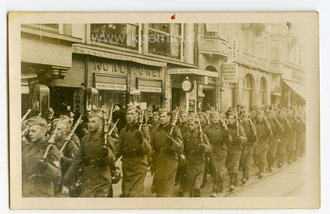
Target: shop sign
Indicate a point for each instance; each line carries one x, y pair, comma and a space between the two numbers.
229, 72
144, 71
150, 89
193, 71
107, 66
109, 86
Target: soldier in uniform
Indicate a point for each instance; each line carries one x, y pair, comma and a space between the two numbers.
180, 173
217, 135
274, 139
283, 138
41, 171
234, 144
166, 141
196, 144
134, 148
248, 147
70, 151
97, 155
264, 132
291, 144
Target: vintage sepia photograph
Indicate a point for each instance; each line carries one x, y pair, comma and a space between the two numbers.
107, 108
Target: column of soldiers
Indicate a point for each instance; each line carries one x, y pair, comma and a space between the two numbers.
178, 148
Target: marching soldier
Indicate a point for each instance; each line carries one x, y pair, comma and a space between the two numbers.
70, 150
134, 148
196, 144
41, 171
166, 141
217, 135
248, 147
283, 138
274, 140
234, 144
264, 132
97, 155
180, 173
291, 144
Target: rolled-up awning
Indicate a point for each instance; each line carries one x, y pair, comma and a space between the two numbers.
106, 53
297, 88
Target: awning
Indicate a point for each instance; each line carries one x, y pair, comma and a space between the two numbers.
211, 27
193, 71
296, 87
105, 53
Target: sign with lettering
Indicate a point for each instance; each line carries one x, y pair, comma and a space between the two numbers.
146, 71
110, 66
150, 89
110, 86
229, 72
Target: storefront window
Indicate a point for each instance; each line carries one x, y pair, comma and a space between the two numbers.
165, 39
122, 35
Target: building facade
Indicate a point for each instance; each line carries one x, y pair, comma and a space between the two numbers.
258, 64
188, 66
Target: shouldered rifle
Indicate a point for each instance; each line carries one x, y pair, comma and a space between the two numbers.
200, 129
25, 115
141, 120
107, 124
68, 138
277, 122
51, 142
253, 127
268, 125
207, 119
113, 128
287, 121
237, 124
174, 122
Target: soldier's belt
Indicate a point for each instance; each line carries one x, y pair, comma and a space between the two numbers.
94, 162
165, 150
194, 152
132, 152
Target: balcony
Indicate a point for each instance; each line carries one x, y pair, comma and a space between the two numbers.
213, 45
251, 60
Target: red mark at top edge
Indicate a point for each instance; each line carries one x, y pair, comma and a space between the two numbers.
173, 17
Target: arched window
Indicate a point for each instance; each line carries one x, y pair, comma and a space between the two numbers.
248, 86
263, 91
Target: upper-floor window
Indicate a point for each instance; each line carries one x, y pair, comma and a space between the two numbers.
122, 35
210, 29
165, 39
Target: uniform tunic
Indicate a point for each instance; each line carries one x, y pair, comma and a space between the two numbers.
40, 178
97, 162
262, 144
273, 141
217, 137
195, 158
165, 158
134, 150
70, 151
249, 146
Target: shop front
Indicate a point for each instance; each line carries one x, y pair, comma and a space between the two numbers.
192, 89
122, 82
